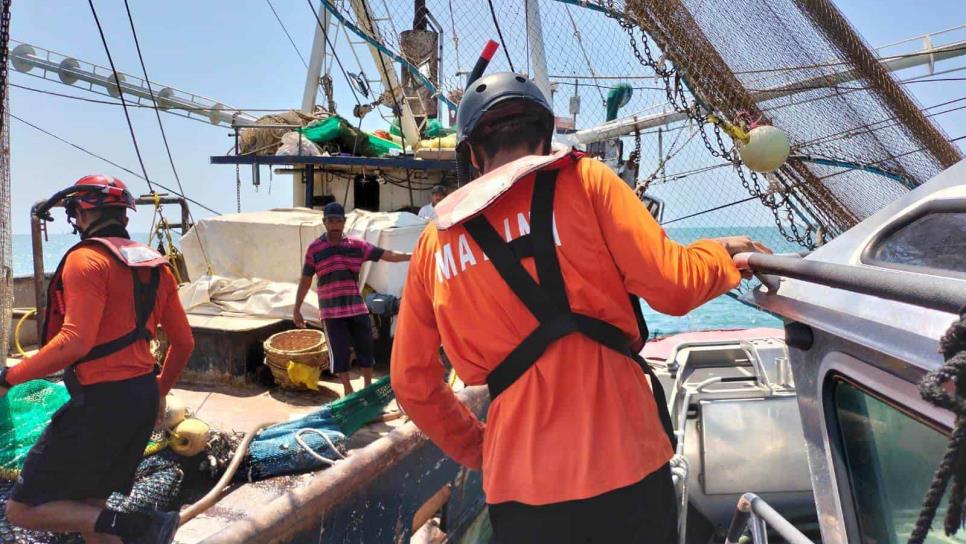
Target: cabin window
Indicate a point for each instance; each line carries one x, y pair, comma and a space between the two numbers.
890, 458
933, 241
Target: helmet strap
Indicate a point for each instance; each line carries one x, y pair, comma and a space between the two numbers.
96, 226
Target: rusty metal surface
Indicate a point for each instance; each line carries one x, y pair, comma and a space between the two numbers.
372, 496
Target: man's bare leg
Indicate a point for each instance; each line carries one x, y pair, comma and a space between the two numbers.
346, 383
367, 375
57, 516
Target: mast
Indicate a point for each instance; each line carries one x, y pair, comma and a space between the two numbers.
538, 60
315, 62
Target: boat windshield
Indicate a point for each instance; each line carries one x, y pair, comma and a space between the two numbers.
890, 458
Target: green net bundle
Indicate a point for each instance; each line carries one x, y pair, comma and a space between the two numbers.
24, 414
354, 411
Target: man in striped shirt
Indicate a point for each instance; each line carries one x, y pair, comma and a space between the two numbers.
336, 260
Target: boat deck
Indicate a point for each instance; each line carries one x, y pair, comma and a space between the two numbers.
231, 408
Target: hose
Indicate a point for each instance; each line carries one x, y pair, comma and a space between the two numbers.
313, 453
16, 332
212, 497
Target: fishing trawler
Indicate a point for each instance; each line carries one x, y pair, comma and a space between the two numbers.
784, 413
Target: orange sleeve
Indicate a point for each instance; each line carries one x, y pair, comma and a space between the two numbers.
418, 374
672, 278
181, 342
85, 295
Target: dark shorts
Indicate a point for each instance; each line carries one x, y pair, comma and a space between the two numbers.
346, 332
645, 512
93, 444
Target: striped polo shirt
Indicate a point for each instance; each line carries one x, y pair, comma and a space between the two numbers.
337, 267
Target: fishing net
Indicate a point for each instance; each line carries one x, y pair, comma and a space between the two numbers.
24, 414
6, 239
858, 140
284, 448
157, 484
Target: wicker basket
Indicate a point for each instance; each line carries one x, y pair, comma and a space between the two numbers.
305, 346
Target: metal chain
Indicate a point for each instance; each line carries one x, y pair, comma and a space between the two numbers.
238, 188
636, 154
677, 96
4, 55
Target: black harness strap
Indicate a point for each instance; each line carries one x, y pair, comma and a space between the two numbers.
145, 295
547, 301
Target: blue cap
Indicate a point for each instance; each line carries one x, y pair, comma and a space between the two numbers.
333, 209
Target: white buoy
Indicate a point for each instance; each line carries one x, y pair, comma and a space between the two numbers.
175, 411
190, 437
766, 150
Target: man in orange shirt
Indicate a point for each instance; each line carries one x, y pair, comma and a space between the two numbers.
524, 281
104, 304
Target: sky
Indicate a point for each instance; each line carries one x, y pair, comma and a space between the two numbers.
236, 53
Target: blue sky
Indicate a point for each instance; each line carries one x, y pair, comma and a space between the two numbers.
235, 52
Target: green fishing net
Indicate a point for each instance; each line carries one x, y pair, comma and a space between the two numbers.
355, 411
24, 414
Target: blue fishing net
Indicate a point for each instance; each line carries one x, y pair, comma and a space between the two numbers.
277, 450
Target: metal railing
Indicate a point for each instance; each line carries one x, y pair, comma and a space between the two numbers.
754, 514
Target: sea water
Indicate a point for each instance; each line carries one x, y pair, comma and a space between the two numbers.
721, 313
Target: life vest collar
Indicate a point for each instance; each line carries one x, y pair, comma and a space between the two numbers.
129, 252
472, 198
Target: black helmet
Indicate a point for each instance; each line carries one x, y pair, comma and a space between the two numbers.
486, 93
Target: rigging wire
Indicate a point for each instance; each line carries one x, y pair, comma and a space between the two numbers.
873, 125
709, 210
287, 35
120, 92
583, 50
112, 163
456, 38
147, 81
173, 252
793, 88
500, 34
951, 140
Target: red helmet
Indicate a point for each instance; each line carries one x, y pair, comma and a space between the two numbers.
110, 192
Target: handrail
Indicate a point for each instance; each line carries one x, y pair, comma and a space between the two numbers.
753, 510
944, 296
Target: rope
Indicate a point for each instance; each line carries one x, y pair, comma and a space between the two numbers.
120, 94
933, 389
313, 453
287, 35
500, 34
112, 163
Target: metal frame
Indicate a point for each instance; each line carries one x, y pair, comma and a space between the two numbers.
368, 162
754, 511
944, 296
867, 372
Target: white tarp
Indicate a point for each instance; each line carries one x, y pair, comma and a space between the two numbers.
249, 264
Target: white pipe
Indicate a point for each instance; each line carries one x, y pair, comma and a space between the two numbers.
24, 58
315, 61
